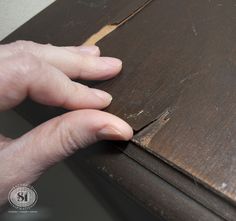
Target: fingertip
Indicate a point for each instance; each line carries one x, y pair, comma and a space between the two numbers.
108, 67
79, 96
116, 130
112, 62
104, 125
127, 131
106, 97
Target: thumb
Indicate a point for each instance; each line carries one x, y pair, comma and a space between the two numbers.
58, 138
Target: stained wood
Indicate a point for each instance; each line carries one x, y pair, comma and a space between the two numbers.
106, 30
178, 83
68, 22
180, 72
146, 188
71, 22
184, 184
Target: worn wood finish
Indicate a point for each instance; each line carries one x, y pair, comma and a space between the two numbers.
178, 83
68, 22
180, 72
71, 22
145, 187
190, 187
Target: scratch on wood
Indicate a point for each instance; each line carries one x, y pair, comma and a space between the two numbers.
103, 32
145, 136
194, 30
107, 29
189, 77
135, 115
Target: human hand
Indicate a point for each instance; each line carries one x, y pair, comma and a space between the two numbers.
43, 72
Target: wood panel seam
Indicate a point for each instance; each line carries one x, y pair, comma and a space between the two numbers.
109, 28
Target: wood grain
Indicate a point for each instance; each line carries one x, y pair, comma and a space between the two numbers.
177, 90
68, 22
183, 183
143, 186
180, 63
71, 22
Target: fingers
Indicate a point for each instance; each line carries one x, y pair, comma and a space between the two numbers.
76, 62
59, 138
63, 135
24, 75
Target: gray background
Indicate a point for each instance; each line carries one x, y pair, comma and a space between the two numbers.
59, 180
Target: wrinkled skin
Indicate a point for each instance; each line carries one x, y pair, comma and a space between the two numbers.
44, 73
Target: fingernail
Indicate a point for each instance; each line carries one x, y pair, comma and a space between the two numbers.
114, 62
103, 95
89, 49
110, 133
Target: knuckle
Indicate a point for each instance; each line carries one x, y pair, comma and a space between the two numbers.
98, 51
22, 67
69, 142
28, 63
22, 46
18, 47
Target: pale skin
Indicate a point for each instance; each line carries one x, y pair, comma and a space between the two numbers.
44, 73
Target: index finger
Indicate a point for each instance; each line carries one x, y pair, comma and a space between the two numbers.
73, 64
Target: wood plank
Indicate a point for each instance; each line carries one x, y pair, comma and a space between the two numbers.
179, 64
183, 183
141, 185
68, 22
71, 22
180, 70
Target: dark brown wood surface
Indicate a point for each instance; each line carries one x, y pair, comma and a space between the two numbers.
68, 22
180, 72
185, 184
177, 90
143, 186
